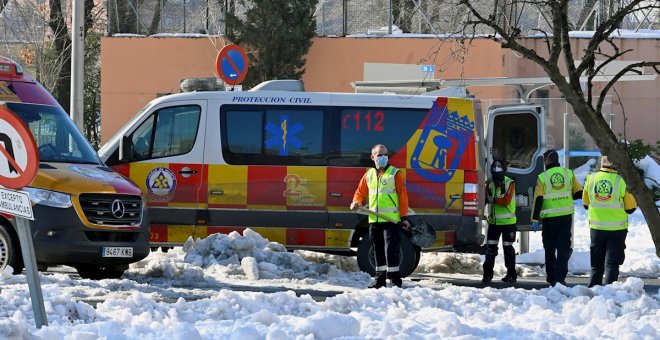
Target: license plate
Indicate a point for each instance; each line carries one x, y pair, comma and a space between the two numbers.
117, 251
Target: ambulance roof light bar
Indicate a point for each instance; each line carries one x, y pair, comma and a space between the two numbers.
5, 66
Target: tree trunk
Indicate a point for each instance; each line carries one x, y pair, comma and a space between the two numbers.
586, 13
122, 17
63, 52
3, 4
597, 127
155, 22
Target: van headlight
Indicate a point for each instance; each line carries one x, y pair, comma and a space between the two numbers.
49, 198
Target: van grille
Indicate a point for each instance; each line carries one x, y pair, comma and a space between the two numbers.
98, 209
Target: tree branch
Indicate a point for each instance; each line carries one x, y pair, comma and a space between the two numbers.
509, 40
603, 31
558, 22
629, 68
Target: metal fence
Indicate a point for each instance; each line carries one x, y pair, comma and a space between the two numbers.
346, 17
333, 17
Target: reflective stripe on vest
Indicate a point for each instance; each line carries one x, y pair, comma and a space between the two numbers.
383, 198
502, 215
558, 198
606, 210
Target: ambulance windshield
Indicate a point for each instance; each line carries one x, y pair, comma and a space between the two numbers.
57, 138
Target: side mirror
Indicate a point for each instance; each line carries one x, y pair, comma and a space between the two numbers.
125, 149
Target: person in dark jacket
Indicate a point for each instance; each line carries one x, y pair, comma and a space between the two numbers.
556, 188
500, 194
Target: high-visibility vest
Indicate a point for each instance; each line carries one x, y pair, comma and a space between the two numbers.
383, 198
606, 210
502, 215
558, 197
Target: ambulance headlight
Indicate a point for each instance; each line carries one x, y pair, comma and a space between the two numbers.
49, 198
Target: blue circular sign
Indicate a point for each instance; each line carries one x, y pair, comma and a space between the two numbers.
232, 64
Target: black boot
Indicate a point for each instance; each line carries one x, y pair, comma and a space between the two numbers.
489, 263
395, 277
379, 280
511, 278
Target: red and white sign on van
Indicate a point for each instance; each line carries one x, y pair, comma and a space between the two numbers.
19, 159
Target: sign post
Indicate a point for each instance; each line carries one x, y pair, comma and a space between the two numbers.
232, 65
19, 161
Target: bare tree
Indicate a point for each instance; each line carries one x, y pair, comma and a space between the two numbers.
3, 3
503, 23
37, 35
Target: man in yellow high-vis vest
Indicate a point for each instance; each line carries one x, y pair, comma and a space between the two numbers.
609, 203
500, 193
556, 188
384, 188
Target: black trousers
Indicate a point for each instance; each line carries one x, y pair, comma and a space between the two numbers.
557, 236
385, 237
508, 234
607, 254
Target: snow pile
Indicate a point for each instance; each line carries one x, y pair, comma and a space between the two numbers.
449, 263
249, 255
258, 257
585, 170
651, 171
640, 260
343, 263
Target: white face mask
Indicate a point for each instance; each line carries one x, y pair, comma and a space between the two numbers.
381, 161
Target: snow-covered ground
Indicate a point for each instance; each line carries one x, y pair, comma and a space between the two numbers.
244, 287
187, 294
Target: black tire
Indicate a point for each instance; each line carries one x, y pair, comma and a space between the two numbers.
95, 272
407, 259
10, 250
418, 256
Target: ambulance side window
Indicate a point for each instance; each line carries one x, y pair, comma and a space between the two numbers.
141, 139
356, 130
272, 135
176, 129
167, 132
244, 132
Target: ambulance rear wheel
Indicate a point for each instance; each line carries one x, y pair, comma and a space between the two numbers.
10, 251
366, 256
418, 255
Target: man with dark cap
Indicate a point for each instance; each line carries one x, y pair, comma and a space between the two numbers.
500, 193
608, 201
556, 188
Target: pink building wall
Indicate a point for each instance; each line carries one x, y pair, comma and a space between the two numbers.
135, 70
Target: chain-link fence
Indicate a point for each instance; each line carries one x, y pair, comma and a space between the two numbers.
346, 17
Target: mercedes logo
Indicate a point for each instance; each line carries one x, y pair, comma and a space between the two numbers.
117, 208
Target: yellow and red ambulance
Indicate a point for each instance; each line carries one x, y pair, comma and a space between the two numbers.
287, 163
86, 215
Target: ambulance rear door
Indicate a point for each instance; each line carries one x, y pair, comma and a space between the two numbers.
516, 134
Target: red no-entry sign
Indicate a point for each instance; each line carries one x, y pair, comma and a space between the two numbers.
232, 64
19, 159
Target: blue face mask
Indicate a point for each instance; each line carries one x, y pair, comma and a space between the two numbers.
381, 161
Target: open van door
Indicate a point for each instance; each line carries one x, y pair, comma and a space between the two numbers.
516, 134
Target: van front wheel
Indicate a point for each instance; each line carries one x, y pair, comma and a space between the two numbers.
95, 272
10, 251
366, 256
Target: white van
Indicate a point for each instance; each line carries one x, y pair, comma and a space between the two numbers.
286, 164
